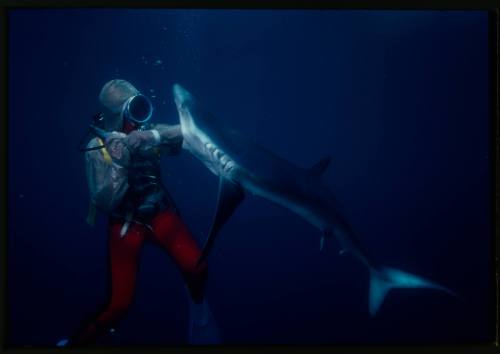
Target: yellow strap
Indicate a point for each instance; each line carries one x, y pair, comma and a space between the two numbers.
105, 152
92, 208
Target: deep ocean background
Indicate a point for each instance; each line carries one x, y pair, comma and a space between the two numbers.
400, 100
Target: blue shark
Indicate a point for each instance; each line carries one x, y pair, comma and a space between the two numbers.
247, 168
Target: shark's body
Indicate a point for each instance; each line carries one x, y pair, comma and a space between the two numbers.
245, 167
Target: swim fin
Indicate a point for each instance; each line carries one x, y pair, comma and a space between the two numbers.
203, 328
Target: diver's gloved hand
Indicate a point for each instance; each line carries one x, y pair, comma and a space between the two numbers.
141, 139
118, 148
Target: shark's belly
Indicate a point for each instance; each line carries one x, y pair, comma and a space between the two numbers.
257, 171
214, 158
299, 207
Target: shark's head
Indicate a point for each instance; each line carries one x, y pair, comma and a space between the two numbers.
183, 101
181, 95
198, 136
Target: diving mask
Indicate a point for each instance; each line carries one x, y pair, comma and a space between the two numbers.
138, 109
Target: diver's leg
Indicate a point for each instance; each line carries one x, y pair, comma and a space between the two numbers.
124, 257
174, 237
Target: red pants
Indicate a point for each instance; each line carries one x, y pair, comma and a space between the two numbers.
168, 232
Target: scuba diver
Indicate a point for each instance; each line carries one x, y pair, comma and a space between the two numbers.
124, 179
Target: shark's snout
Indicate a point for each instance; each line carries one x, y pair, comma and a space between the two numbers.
183, 100
181, 95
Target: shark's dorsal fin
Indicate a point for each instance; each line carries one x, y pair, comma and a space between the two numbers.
320, 167
230, 196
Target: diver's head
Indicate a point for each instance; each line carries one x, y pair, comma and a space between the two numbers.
124, 107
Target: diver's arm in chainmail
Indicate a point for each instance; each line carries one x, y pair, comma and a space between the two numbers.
166, 137
106, 179
170, 138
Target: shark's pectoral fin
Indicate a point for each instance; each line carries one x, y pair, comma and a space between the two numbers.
320, 167
230, 196
321, 243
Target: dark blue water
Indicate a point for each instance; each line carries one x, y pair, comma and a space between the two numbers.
399, 99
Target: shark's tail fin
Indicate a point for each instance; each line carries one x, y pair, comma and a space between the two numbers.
384, 279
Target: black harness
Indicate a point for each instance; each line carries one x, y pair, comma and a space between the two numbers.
146, 195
